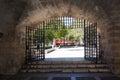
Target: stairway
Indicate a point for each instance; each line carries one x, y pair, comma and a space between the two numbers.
65, 67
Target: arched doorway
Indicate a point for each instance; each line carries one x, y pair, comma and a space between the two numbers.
60, 33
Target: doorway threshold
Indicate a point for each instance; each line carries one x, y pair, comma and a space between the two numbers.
64, 59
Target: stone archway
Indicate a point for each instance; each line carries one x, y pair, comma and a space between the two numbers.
37, 12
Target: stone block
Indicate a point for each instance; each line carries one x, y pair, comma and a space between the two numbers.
93, 70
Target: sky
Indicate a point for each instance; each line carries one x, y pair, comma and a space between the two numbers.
68, 21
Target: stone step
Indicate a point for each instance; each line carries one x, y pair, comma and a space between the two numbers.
62, 62
81, 70
64, 67
5, 77
45, 66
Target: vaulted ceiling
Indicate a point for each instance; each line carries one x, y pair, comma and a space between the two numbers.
12, 12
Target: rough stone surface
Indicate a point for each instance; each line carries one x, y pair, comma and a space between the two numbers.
15, 15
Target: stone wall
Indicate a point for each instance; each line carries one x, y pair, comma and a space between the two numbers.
15, 15
115, 42
10, 58
37, 12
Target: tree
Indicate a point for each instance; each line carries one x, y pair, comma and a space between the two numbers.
49, 36
78, 32
71, 37
37, 36
54, 29
61, 33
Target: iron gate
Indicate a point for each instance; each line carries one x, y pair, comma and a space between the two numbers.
36, 37
91, 44
35, 43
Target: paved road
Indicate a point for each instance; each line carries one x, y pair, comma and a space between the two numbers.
64, 53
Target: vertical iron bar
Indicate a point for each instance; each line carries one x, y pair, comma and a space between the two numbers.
84, 39
38, 45
39, 41
91, 57
26, 57
96, 42
86, 27
100, 48
44, 28
93, 32
89, 40
42, 47
29, 44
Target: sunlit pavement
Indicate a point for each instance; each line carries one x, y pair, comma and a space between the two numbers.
66, 54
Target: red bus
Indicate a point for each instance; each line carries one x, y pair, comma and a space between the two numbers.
62, 42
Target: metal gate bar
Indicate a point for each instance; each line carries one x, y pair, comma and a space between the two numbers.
91, 43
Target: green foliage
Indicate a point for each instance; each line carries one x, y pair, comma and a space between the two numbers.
56, 29
37, 36
49, 35
71, 37
61, 33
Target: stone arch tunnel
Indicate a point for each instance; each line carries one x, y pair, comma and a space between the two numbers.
16, 15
